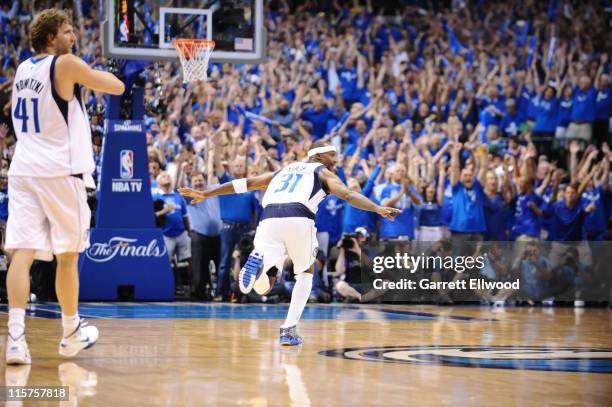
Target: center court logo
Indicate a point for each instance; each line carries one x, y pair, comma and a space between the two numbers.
123, 247
561, 359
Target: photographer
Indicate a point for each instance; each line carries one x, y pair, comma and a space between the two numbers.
349, 264
536, 274
244, 246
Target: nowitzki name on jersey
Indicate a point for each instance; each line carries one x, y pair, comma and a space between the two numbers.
29, 83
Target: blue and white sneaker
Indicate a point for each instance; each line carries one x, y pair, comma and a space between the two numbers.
83, 337
17, 352
289, 336
248, 273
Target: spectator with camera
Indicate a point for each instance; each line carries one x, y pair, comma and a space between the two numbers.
535, 274
285, 282
348, 268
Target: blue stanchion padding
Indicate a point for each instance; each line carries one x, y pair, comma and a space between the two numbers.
126, 247
125, 189
116, 257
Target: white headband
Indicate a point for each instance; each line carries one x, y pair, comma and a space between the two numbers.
320, 150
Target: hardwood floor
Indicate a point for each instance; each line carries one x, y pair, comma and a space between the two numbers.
216, 355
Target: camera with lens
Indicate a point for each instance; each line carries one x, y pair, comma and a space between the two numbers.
570, 257
245, 246
348, 241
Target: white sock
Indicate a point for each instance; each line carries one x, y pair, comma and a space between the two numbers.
16, 322
70, 324
299, 298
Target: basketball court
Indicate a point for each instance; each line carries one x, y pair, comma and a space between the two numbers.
207, 354
194, 354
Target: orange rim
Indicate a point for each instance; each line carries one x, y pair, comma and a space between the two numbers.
186, 46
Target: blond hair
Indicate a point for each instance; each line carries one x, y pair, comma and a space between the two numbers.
45, 24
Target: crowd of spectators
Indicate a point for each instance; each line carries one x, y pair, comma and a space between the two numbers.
480, 120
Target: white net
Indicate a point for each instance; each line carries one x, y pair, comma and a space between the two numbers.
194, 55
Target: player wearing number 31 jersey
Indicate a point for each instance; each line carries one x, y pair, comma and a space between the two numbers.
287, 226
48, 212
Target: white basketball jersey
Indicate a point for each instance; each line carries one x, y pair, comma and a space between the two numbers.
296, 183
53, 135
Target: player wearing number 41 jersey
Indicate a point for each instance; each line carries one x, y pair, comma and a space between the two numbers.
48, 212
287, 227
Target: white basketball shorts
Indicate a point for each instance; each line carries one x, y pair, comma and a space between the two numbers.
277, 238
49, 215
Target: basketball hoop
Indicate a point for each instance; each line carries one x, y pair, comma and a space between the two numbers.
194, 55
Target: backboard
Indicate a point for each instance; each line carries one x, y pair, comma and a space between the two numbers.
144, 29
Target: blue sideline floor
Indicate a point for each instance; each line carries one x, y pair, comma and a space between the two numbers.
236, 311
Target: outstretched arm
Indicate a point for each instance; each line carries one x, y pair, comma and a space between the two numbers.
336, 187
259, 182
455, 171
72, 69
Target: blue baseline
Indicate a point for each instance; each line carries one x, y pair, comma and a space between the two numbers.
236, 311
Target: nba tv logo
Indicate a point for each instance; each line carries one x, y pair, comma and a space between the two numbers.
126, 164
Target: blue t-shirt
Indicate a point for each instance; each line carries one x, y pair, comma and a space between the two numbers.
4, 199
318, 120
510, 125
329, 217
237, 208
348, 81
532, 279
447, 203
430, 214
353, 139
583, 109
362, 22
546, 115
174, 220
565, 113
523, 104
404, 221
354, 218
603, 104
568, 222
547, 223
532, 110
488, 117
526, 222
494, 210
468, 209
596, 221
